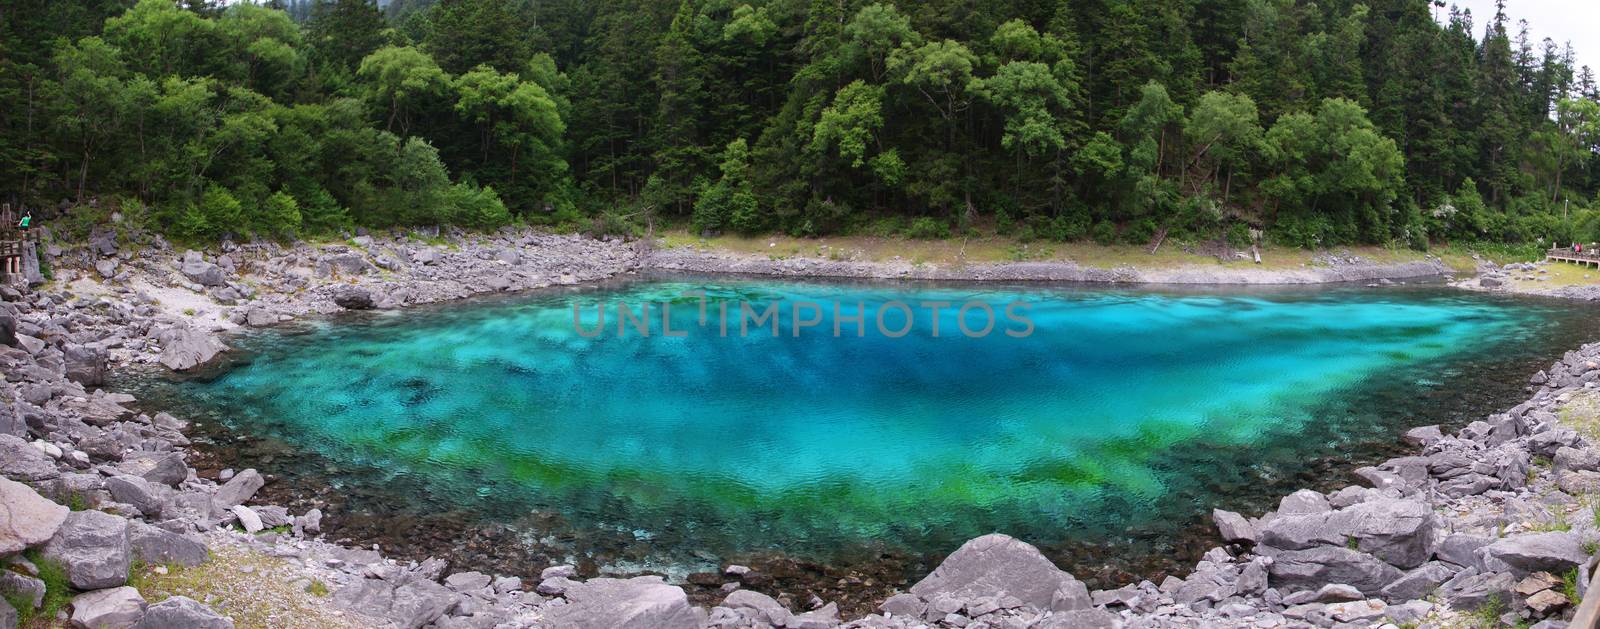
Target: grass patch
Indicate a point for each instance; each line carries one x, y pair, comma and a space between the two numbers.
1582, 413
1556, 275
57, 591
1557, 523
1487, 616
255, 590
1569, 586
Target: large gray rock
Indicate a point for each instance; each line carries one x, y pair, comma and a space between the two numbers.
237, 490
185, 347
1555, 552
1313, 568
204, 273
637, 603
1401, 532
8, 329
182, 612
158, 546
136, 491
1471, 590
1419, 582
353, 298
26, 518
85, 365
1302, 502
1234, 527
1462, 549
413, 605
112, 608
166, 468
344, 264
995, 565
758, 606
24, 463
93, 547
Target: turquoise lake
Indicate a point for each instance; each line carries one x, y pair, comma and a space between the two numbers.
1124, 412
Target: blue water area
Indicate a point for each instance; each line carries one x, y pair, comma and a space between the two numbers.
1119, 408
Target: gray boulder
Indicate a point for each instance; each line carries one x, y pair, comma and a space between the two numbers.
136, 491
158, 546
112, 608
1419, 582
93, 547
1576, 459
413, 605
637, 603
1400, 532
1462, 549
185, 347
237, 490
1471, 590
8, 329
182, 612
1082, 619
760, 607
1302, 502
204, 273
85, 365
903, 605
995, 565
165, 468
22, 462
353, 298
1423, 436
27, 518
1313, 568
1555, 552
1234, 527
343, 264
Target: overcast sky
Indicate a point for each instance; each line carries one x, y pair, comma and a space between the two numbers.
1576, 21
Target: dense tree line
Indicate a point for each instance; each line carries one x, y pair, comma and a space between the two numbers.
1319, 123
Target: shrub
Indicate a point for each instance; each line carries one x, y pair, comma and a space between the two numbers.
928, 228
1105, 232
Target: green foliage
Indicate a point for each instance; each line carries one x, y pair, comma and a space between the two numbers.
57, 590
1321, 123
927, 228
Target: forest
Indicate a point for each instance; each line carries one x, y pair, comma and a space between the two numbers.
1316, 124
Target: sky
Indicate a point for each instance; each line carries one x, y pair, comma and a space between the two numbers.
1576, 21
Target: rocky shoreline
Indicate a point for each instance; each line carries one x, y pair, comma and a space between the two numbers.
1333, 270
1503, 516
1499, 279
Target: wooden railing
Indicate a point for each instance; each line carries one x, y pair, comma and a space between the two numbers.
1567, 255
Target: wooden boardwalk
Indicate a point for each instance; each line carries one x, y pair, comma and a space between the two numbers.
11, 241
1584, 258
